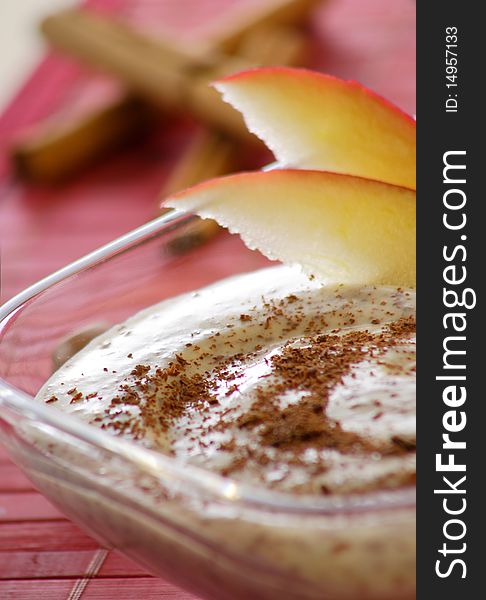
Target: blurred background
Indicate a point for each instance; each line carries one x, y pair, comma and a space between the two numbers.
105, 105
104, 109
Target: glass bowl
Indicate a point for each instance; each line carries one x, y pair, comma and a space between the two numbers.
213, 536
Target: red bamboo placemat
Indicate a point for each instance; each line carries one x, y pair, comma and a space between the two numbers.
43, 555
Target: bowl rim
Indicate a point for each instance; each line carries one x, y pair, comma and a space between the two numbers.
158, 465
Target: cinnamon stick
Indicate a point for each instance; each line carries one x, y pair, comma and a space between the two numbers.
63, 145
145, 64
268, 14
268, 46
149, 66
210, 154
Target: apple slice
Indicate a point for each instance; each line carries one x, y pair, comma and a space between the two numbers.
315, 121
339, 228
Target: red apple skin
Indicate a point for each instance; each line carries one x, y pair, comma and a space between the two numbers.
339, 228
315, 121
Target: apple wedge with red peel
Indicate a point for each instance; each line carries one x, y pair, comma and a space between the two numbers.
339, 228
314, 121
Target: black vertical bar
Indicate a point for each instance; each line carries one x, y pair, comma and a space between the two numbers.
451, 119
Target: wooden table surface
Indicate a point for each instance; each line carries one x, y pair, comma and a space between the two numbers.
43, 555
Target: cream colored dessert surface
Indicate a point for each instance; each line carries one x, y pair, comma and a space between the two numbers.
187, 376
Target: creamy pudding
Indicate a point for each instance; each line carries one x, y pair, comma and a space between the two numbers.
267, 378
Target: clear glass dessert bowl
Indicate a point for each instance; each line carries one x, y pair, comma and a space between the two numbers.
214, 536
